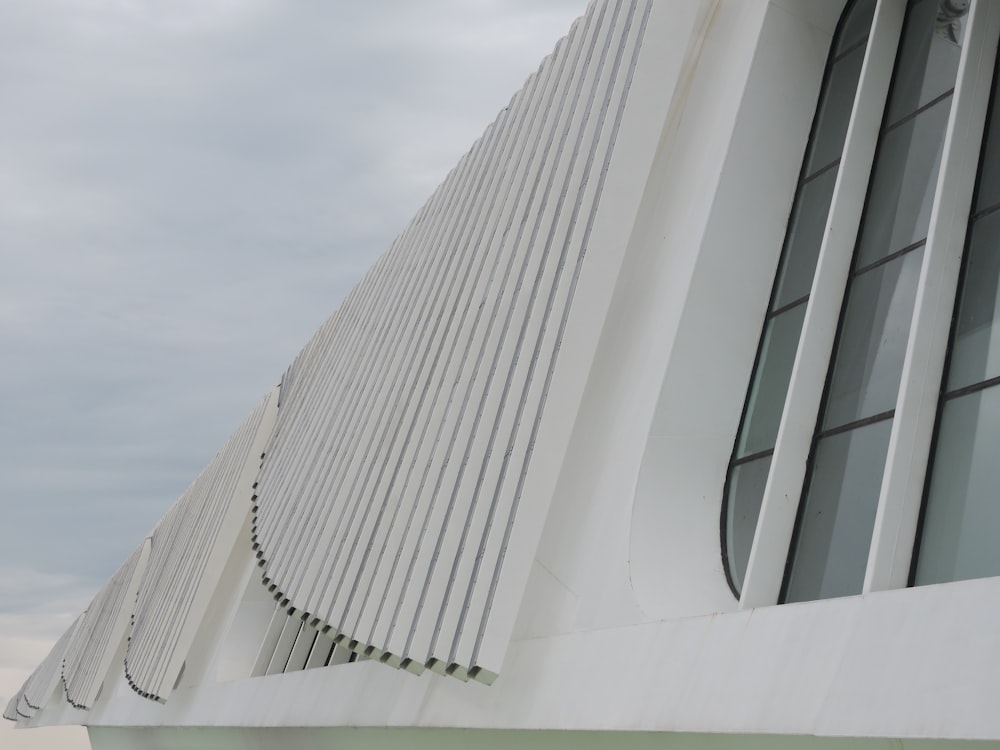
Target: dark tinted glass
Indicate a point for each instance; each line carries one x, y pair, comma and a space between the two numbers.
989, 179
835, 529
770, 386
902, 192
797, 266
876, 328
959, 538
975, 354
835, 111
855, 25
746, 489
928, 59
805, 235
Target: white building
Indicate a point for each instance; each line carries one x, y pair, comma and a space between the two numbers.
672, 414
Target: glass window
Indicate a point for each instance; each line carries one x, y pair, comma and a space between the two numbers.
960, 519
899, 201
988, 190
875, 329
805, 235
959, 536
779, 342
928, 56
854, 27
961, 514
837, 510
835, 108
767, 396
975, 354
835, 528
746, 489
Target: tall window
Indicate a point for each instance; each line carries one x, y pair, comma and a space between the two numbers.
837, 512
959, 535
776, 351
855, 498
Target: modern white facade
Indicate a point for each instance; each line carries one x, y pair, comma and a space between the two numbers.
669, 421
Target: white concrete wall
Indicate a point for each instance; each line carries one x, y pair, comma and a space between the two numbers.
366, 739
625, 621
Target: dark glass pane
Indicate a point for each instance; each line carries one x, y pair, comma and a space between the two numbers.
869, 358
856, 25
928, 59
746, 490
902, 190
989, 180
779, 344
959, 538
835, 111
975, 352
805, 235
770, 384
835, 530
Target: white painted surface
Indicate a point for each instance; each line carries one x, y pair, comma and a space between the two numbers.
449, 739
90, 655
43, 687
708, 306
417, 448
612, 581
889, 664
188, 552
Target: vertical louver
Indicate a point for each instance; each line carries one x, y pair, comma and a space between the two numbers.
189, 548
407, 426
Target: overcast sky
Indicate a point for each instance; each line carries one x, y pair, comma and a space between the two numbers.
188, 188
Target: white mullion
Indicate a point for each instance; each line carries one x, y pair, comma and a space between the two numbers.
299, 655
775, 525
321, 649
283, 648
269, 642
916, 405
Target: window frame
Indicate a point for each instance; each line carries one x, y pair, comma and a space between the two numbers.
945, 394
917, 405
773, 312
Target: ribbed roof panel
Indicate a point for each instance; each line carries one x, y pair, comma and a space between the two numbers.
102, 628
10, 712
34, 695
188, 550
407, 425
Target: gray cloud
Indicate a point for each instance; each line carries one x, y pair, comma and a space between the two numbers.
187, 190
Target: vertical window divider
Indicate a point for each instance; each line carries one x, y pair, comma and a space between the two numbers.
900, 496
776, 522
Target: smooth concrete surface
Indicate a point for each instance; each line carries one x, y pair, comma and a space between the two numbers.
445, 739
613, 604
888, 664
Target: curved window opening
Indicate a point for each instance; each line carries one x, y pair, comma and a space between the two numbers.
762, 411
836, 516
897, 483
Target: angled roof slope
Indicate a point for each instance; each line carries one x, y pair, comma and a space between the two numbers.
188, 550
100, 633
408, 425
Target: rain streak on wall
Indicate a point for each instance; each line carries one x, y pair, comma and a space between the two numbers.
407, 424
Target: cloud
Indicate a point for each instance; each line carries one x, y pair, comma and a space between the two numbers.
189, 189
35, 609
38, 605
